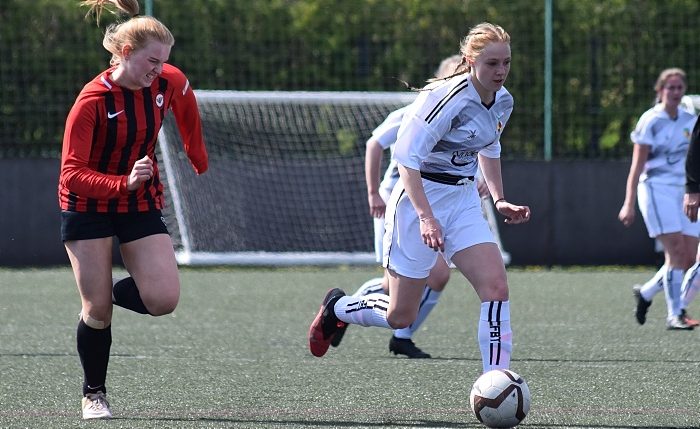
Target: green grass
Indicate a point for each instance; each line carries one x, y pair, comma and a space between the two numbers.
234, 355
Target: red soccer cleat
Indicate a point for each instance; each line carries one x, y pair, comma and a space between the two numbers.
325, 324
691, 322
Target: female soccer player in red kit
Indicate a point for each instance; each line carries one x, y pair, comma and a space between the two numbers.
109, 186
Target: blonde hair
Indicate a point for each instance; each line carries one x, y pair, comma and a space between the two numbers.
136, 32
448, 66
473, 45
664, 76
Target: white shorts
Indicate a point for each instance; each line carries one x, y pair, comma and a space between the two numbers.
456, 207
662, 209
379, 238
379, 229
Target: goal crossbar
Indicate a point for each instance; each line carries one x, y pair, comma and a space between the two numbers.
286, 180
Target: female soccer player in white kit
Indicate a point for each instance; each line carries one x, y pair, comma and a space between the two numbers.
656, 181
454, 125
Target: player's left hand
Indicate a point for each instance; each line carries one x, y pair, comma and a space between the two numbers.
514, 214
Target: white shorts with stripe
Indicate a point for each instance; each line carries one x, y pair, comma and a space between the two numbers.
661, 206
456, 207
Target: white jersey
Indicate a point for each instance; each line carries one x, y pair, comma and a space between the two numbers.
447, 126
386, 134
669, 140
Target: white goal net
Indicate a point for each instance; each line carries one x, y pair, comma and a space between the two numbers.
285, 184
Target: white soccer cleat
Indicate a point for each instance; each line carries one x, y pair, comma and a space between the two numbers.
95, 406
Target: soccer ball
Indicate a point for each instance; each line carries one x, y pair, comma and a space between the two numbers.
500, 398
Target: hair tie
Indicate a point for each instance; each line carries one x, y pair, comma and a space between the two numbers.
134, 16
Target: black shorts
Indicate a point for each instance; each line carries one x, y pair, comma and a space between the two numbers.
126, 226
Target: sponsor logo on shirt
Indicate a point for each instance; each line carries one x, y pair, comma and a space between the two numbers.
461, 158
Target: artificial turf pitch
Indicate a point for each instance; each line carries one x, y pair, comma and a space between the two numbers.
234, 354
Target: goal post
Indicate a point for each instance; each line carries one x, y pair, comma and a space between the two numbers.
285, 184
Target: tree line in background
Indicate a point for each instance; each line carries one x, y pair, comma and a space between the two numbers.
606, 57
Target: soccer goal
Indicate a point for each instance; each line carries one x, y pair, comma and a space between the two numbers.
285, 184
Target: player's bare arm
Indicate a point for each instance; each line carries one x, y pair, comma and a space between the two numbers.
640, 155
430, 228
373, 162
491, 169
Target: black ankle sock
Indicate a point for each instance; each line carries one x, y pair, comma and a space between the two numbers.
126, 295
93, 350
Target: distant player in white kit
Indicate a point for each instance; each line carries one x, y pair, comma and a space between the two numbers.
384, 137
656, 182
454, 126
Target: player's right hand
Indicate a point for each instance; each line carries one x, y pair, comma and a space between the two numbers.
431, 231
626, 215
377, 206
690, 206
142, 171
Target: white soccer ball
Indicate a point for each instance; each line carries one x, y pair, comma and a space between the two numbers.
500, 398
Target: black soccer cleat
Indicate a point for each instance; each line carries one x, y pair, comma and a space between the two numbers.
405, 346
640, 310
338, 336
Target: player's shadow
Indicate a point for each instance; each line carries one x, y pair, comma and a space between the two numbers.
237, 422
418, 423
592, 361
554, 426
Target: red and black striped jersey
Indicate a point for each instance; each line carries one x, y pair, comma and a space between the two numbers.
110, 127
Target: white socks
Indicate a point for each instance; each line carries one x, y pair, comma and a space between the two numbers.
672, 288
677, 299
691, 285
370, 286
654, 285
368, 310
427, 303
495, 336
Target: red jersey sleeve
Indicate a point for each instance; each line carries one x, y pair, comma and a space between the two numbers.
76, 172
186, 112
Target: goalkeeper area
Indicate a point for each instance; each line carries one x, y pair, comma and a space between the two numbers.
286, 183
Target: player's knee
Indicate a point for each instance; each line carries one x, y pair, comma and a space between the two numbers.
438, 280
161, 305
493, 291
500, 291
96, 318
400, 320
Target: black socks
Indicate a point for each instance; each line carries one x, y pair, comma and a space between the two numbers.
125, 294
93, 350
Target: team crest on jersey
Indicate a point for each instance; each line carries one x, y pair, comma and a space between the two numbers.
159, 100
499, 125
472, 134
686, 133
